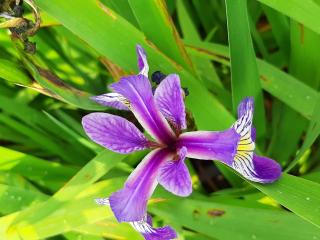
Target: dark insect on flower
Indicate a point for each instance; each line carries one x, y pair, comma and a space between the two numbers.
163, 116
157, 77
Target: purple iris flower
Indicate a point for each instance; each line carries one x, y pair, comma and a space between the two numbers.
163, 116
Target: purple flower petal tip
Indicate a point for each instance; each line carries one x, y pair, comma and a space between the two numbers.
163, 233
145, 228
267, 170
247, 104
142, 60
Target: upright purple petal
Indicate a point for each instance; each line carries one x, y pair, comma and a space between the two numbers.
150, 233
113, 100
142, 61
137, 90
114, 133
208, 145
129, 203
169, 99
174, 175
245, 105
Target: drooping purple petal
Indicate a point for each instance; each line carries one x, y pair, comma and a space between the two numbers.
249, 165
169, 99
129, 203
137, 90
114, 133
258, 169
208, 145
149, 233
114, 100
174, 175
142, 61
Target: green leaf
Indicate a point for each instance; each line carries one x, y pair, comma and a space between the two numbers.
280, 29
13, 73
303, 66
15, 198
244, 71
311, 135
278, 83
234, 221
90, 173
297, 194
305, 12
60, 89
45, 173
153, 15
204, 68
67, 215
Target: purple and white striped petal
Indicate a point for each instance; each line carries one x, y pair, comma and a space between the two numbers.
249, 165
137, 90
114, 133
114, 100
169, 99
258, 169
209, 145
130, 203
142, 61
150, 233
174, 175
144, 226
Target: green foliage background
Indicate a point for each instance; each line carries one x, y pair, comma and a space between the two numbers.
223, 51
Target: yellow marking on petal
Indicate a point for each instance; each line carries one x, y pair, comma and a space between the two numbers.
247, 147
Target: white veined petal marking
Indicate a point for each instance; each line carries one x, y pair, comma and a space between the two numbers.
112, 97
243, 160
102, 201
118, 97
142, 226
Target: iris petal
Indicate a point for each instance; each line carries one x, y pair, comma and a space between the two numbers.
144, 226
142, 61
137, 90
129, 203
169, 99
113, 100
249, 165
150, 233
174, 175
114, 133
209, 145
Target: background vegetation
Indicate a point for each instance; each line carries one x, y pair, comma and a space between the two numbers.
50, 172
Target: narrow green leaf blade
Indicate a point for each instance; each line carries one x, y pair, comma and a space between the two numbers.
244, 71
